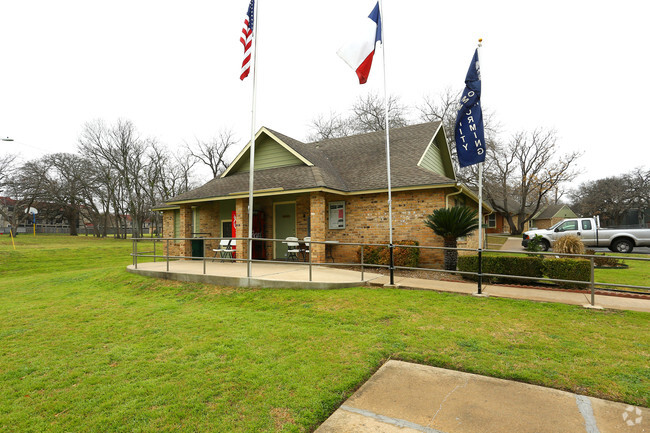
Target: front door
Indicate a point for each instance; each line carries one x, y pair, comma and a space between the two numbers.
284, 225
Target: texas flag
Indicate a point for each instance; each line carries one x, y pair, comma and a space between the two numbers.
359, 53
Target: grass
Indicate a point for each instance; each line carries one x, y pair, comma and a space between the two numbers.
637, 274
85, 346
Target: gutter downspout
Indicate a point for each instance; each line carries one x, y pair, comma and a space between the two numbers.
460, 190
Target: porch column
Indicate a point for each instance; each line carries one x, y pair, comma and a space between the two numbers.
186, 230
241, 209
318, 226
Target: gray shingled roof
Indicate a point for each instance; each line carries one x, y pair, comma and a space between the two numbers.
347, 164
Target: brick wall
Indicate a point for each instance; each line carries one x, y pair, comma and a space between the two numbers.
366, 222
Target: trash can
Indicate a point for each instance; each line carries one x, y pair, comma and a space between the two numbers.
198, 248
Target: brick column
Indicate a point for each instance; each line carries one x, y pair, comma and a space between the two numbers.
186, 230
241, 208
318, 225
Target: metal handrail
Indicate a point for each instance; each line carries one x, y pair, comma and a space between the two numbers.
591, 284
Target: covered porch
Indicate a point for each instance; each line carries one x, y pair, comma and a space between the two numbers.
275, 216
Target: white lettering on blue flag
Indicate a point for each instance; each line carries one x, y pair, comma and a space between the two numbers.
469, 120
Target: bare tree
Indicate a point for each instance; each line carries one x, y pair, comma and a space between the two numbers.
7, 166
23, 186
613, 197
332, 126
443, 107
122, 153
606, 197
212, 153
368, 115
64, 183
522, 174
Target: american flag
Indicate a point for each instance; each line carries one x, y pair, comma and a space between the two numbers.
247, 40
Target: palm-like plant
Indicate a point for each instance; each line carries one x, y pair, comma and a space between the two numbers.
452, 223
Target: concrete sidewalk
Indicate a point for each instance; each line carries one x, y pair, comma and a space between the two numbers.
411, 398
540, 295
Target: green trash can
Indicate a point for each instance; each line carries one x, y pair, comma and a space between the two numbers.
198, 248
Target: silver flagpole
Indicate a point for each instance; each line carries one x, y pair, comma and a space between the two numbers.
390, 197
251, 150
480, 189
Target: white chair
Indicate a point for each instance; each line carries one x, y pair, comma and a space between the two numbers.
292, 248
305, 250
224, 250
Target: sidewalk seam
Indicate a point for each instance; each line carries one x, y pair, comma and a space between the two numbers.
587, 412
388, 420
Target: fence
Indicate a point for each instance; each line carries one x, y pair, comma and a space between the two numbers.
591, 284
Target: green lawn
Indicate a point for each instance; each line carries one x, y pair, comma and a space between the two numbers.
638, 273
86, 346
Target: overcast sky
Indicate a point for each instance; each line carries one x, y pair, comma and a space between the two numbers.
579, 67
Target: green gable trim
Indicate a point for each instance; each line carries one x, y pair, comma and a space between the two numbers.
432, 160
268, 154
436, 157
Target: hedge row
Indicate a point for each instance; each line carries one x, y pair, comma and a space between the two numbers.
529, 266
409, 257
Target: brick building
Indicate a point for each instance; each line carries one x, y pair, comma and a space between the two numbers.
332, 190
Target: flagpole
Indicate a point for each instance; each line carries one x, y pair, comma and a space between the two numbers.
480, 196
390, 197
251, 175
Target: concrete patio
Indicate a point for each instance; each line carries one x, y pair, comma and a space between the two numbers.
264, 274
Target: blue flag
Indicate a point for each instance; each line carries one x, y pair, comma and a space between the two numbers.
469, 135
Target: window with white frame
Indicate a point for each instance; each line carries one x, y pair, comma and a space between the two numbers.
492, 220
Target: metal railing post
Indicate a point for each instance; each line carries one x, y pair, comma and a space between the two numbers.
154, 250
392, 266
593, 286
361, 262
167, 255
135, 253
311, 246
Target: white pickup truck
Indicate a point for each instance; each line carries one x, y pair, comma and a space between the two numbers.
592, 235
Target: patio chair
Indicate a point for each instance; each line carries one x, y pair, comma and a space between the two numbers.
292, 248
225, 250
305, 249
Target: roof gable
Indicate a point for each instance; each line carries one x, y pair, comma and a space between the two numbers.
437, 158
555, 211
270, 152
350, 165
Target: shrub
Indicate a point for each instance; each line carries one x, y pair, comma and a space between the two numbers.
569, 244
535, 244
506, 265
380, 255
568, 269
601, 260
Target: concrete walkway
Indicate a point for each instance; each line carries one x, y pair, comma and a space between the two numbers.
411, 398
265, 274
512, 244
296, 275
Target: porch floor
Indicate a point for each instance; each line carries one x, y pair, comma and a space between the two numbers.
264, 274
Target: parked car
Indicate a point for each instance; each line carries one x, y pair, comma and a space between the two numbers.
588, 229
